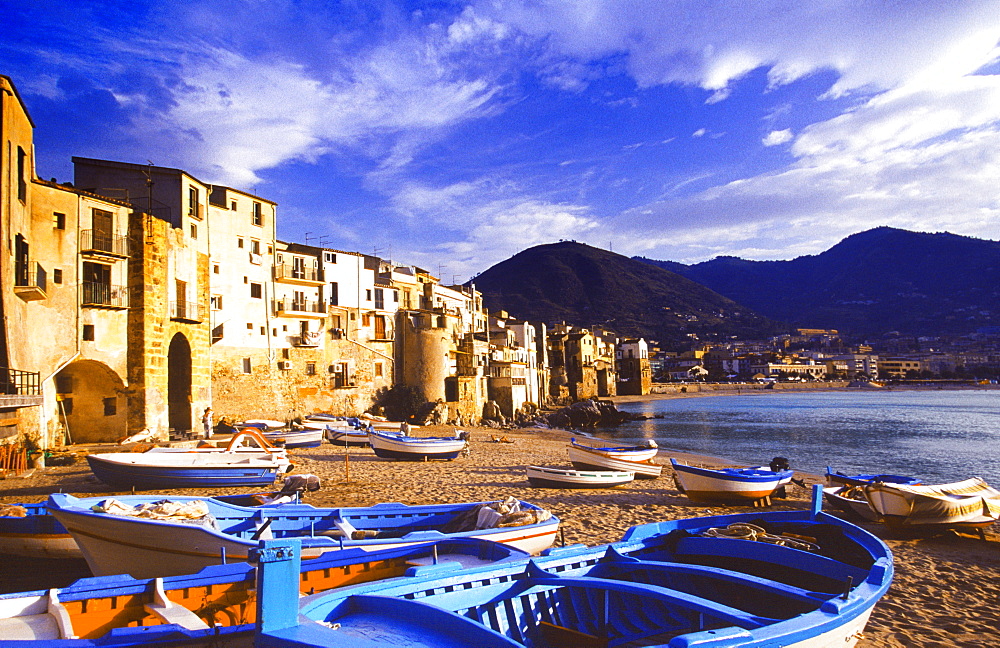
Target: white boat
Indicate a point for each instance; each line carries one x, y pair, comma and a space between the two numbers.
588, 459
198, 532
544, 477
625, 452
969, 504
850, 500
28, 529
734, 485
346, 436
304, 438
407, 448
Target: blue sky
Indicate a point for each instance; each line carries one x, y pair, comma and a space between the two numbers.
452, 135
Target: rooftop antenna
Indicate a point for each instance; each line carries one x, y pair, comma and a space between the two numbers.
308, 236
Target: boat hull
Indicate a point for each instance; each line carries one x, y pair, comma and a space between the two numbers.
541, 477
625, 453
127, 470
970, 504
36, 535
858, 508
145, 548
346, 437
585, 459
308, 438
416, 448
744, 485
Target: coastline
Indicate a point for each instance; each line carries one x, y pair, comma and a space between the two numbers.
922, 608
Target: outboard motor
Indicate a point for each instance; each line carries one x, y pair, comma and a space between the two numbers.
777, 465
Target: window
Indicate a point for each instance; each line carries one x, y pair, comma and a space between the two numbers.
380, 328
110, 406
378, 369
334, 293
254, 247
246, 365
368, 294
232, 205
239, 242
366, 319
270, 250
194, 231
310, 368
274, 332
258, 218
88, 332
379, 299
395, 296
263, 331
249, 326
59, 221
330, 257
256, 291
22, 175
97, 287
194, 209
215, 269
57, 275
216, 302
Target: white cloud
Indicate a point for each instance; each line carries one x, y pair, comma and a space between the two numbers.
774, 138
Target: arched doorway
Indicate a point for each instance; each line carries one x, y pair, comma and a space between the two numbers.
90, 402
179, 383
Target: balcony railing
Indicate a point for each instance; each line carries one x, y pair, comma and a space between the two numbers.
103, 243
286, 272
305, 306
185, 310
30, 280
104, 295
310, 339
14, 382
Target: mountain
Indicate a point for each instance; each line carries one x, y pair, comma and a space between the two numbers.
870, 283
587, 286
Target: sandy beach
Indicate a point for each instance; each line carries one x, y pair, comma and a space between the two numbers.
945, 592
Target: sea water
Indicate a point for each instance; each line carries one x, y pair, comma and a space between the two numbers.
939, 436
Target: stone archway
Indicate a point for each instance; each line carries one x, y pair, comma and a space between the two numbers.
179, 383
91, 402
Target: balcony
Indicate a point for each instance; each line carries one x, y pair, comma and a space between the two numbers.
30, 281
103, 244
102, 295
299, 308
286, 273
185, 311
19, 388
308, 339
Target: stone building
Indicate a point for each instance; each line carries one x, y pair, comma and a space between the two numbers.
635, 375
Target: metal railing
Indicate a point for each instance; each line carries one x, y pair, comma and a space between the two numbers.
30, 274
299, 306
95, 241
286, 271
20, 383
185, 310
102, 294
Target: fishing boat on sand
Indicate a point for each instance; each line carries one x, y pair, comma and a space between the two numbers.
214, 607
30, 530
407, 448
850, 500
545, 477
203, 467
789, 578
733, 485
841, 479
969, 504
586, 458
625, 452
145, 536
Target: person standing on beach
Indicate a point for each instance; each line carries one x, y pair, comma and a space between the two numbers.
206, 421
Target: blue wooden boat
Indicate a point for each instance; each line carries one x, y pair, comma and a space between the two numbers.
729, 485
216, 606
202, 532
30, 530
840, 479
407, 448
788, 578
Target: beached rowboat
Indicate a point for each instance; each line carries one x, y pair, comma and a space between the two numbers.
740, 485
841, 479
30, 530
850, 500
624, 452
544, 477
969, 504
586, 458
215, 607
406, 448
215, 532
722, 581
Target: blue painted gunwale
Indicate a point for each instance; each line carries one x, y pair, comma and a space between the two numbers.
863, 479
752, 475
152, 477
220, 575
646, 553
420, 448
38, 521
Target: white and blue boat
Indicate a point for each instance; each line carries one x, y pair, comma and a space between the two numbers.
747, 580
407, 448
28, 529
841, 479
729, 485
624, 452
115, 540
214, 607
